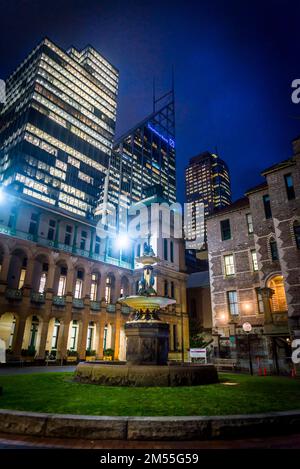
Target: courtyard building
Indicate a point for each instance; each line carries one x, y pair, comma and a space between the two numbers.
59, 291
254, 261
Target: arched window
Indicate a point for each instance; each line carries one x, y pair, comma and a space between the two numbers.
273, 249
22, 274
108, 285
94, 287
42, 284
62, 281
90, 336
79, 284
33, 332
138, 250
166, 288
297, 233
278, 299
55, 334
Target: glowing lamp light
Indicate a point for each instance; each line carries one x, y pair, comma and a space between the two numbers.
223, 317
122, 241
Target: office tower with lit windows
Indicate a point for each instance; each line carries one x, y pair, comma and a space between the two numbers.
144, 157
207, 182
57, 127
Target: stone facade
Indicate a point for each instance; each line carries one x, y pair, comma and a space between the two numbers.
58, 294
254, 259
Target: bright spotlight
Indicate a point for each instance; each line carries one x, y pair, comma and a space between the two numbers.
122, 241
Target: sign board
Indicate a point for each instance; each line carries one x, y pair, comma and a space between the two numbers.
2, 351
247, 327
198, 353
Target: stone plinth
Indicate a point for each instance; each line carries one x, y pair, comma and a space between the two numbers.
147, 343
145, 375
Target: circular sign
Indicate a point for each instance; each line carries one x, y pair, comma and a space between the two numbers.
247, 327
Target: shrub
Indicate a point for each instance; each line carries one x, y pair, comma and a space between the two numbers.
108, 352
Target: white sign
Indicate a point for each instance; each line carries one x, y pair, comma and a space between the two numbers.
198, 353
247, 327
2, 351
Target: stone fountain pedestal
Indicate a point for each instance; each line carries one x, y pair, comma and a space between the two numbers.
147, 342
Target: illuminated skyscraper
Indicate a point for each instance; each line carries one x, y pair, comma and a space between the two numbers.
145, 157
57, 127
207, 182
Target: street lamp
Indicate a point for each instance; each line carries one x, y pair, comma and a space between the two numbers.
248, 328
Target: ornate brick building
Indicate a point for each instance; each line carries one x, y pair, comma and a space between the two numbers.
254, 258
59, 285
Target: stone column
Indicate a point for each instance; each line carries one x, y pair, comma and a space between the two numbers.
92, 242
62, 345
4, 268
117, 331
86, 291
83, 329
4, 273
74, 246
70, 281
43, 340
266, 294
116, 289
29, 273
101, 329
50, 277
102, 285
17, 346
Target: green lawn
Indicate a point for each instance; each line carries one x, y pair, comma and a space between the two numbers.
57, 393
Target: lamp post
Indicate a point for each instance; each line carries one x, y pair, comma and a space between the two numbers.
248, 328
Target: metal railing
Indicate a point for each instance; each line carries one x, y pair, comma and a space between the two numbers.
13, 294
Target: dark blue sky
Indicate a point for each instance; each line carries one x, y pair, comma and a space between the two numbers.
234, 63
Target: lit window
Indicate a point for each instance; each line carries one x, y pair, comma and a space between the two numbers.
94, 287
232, 302
42, 284
73, 335
62, 282
229, 265
22, 278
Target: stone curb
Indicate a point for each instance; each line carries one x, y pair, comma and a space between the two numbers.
147, 428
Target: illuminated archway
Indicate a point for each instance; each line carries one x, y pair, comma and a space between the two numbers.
278, 299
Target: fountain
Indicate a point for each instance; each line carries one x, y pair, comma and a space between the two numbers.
147, 344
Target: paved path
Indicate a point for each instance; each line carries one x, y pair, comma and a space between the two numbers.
15, 370
274, 442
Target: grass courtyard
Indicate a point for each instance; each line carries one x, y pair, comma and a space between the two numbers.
235, 394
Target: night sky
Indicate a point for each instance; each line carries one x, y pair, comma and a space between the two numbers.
234, 63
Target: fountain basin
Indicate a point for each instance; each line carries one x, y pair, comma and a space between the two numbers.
151, 303
138, 375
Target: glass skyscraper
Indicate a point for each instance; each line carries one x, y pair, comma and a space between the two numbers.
207, 182
145, 157
57, 127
